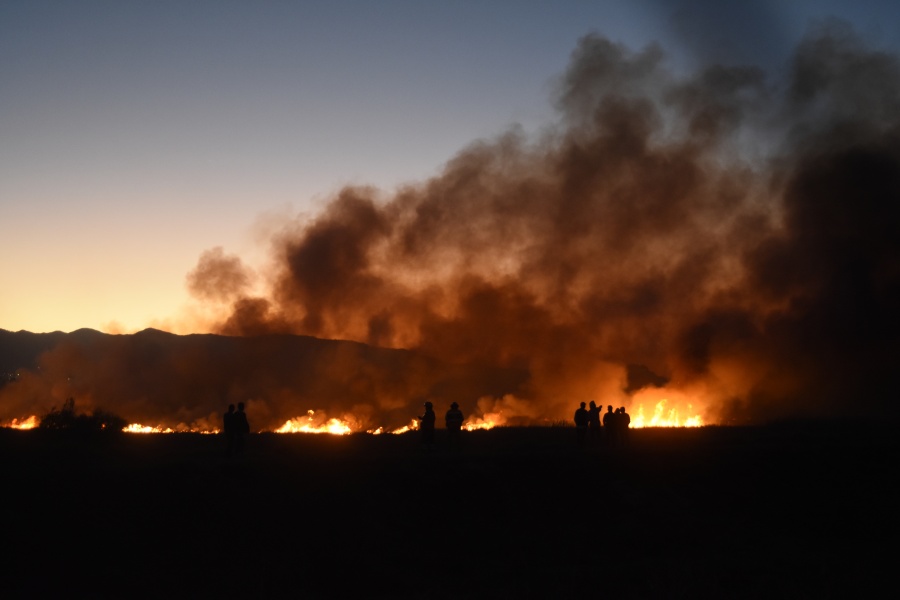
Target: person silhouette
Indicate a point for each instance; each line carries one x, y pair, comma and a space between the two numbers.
426, 426
241, 428
594, 420
453, 420
624, 424
228, 430
581, 424
609, 425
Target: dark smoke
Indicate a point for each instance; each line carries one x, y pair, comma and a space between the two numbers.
726, 236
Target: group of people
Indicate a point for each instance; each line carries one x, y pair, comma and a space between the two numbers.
612, 428
236, 427
453, 420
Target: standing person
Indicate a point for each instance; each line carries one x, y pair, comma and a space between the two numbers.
228, 430
594, 420
241, 428
609, 424
454, 420
426, 426
624, 424
581, 424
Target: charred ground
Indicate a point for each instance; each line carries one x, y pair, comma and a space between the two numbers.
799, 510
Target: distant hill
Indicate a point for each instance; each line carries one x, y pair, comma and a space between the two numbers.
159, 378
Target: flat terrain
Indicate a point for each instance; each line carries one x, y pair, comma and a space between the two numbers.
805, 510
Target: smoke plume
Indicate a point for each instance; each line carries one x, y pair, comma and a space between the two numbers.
732, 236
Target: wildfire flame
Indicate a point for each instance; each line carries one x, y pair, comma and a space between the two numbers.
489, 421
308, 424
665, 415
138, 428
413, 425
313, 423
29, 423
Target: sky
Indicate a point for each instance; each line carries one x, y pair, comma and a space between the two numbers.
136, 136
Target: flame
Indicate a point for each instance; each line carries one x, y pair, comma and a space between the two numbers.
29, 423
489, 421
311, 424
413, 425
138, 428
496, 412
665, 415
669, 407
317, 423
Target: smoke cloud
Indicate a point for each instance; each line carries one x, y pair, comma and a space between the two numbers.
732, 236
723, 239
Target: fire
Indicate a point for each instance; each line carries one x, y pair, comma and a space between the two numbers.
317, 423
138, 428
311, 424
495, 412
413, 425
665, 415
29, 423
489, 421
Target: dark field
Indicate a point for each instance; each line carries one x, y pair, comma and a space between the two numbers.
790, 511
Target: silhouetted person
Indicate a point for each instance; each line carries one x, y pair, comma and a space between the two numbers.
228, 430
594, 420
426, 426
609, 425
241, 428
453, 420
581, 425
624, 423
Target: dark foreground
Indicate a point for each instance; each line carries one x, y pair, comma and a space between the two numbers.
791, 511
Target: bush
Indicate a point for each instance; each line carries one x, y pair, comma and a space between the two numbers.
66, 418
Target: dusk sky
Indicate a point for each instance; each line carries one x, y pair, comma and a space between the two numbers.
135, 136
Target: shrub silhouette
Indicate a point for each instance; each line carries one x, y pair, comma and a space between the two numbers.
66, 418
